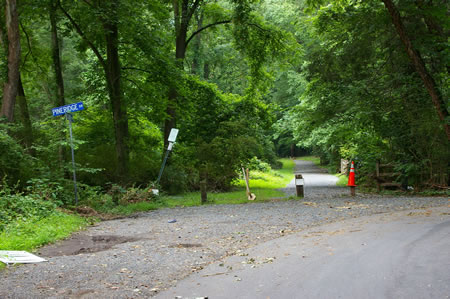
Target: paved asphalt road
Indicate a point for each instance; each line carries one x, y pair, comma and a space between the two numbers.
398, 255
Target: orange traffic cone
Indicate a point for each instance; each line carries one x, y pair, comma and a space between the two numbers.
351, 176
351, 179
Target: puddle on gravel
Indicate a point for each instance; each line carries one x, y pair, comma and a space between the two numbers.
78, 244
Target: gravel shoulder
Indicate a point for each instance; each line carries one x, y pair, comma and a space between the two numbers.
142, 255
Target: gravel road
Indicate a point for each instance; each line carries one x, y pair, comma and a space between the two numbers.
144, 254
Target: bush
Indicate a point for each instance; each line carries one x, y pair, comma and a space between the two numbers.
61, 192
17, 206
256, 164
15, 164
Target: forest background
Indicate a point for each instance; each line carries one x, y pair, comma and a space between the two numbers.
244, 81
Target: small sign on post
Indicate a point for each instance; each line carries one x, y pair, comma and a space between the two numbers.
66, 110
172, 137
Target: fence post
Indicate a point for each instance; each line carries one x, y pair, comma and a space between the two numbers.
299, 182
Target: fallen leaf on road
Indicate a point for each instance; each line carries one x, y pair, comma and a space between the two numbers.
426, 213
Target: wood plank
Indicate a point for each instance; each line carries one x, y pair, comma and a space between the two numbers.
390, 174
390, 184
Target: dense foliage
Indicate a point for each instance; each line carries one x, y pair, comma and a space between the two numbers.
364, 100
242, 80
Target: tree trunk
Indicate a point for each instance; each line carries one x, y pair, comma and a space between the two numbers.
203, 187
196, 62
113, 78
206, 71
56, 55
10, 88
25, 118
414, 55
181, 20
57, 68
109, 19
170, 121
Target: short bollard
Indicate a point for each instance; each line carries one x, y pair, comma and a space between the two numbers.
351, 180
299, 185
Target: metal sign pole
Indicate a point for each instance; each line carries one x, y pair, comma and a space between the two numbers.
69, 117
172, 137
169, 148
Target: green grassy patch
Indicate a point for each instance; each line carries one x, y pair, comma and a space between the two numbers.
343, 180
273, 179
238, 196
28, 235
262, 184
136, 207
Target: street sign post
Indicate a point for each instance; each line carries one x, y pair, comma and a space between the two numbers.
66, 110
172, 137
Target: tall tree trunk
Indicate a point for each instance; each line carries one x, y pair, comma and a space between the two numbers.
206, 71
113, 77
57, 68
181, 19
111, 66
414, 55
25, 118
203, 186
56, 55
196, 62
183, 10
10, 88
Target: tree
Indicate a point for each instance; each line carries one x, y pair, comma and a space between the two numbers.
11, 87
183, 11
365, 99
414, 55
56, 52
25, 118
419, 65
107, 12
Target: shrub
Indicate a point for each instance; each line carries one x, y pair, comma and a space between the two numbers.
17, 206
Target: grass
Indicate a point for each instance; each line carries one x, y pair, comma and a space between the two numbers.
29, 235
262, 184
135, 207
343, 180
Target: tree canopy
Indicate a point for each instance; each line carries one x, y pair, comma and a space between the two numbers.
343, 79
